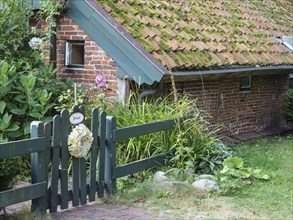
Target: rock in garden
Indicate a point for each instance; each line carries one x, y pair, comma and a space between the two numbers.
162, 182
189, 170
160, 176
205, 184
207, 176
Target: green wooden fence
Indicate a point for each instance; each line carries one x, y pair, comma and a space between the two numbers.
113, 134
39, 148
52, 171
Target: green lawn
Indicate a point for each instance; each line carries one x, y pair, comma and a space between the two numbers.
271, 199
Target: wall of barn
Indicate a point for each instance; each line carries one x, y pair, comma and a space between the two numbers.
239, 111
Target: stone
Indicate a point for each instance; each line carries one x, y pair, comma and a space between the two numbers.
160, 176
205, 184
164, 183
207, 176
189, 170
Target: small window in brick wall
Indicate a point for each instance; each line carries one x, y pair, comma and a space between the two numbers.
74, 54
245, 83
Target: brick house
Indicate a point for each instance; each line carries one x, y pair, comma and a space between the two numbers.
234, 57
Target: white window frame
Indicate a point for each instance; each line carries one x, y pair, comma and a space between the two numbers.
68, 54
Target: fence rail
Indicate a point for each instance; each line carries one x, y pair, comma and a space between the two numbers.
39, 148
113, 134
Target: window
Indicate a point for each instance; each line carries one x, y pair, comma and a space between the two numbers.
287, 41
74, 54
245, 83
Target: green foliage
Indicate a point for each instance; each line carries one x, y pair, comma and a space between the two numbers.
180, 174
24, 98
88, 97
28, 88
212, 161
234, 175
14, 32
288, 105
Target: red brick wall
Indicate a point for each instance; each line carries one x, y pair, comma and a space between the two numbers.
96, 60
239, 111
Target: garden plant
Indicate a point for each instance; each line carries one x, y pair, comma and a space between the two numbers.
28, 86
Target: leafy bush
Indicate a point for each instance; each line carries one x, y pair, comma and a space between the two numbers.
288, 105
234, 175
28, 88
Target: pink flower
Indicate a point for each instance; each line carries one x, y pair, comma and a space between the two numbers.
100, 82
101, 85
99, 78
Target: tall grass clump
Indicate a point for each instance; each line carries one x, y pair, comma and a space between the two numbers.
192, 142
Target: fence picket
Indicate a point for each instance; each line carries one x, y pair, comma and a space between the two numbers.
55, 156
102, 142
64, 158
93, 156
75, 181
82, 174
82, 180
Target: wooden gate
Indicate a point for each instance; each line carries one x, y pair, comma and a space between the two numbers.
76, 179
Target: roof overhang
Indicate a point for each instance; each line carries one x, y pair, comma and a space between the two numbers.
123, 48
232, 72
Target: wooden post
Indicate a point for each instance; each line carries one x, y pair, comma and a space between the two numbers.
110, 156
40, 164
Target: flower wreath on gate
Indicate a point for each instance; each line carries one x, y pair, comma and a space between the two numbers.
80, 141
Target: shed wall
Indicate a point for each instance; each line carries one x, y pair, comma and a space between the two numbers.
238, 111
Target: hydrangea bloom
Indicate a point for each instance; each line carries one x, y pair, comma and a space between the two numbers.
80, 141
35, 43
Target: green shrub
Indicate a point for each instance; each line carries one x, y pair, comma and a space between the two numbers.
28, 88
235, 176
288, 105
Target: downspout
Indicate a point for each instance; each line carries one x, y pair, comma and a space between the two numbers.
53, 44
150, 92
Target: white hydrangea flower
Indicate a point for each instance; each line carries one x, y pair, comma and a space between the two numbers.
80, 141
35, 43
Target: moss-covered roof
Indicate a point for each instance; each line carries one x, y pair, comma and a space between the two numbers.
194, 34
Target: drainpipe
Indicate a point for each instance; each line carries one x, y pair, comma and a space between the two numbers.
150, 92
53, 44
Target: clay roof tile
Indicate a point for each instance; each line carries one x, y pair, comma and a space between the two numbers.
198, 33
